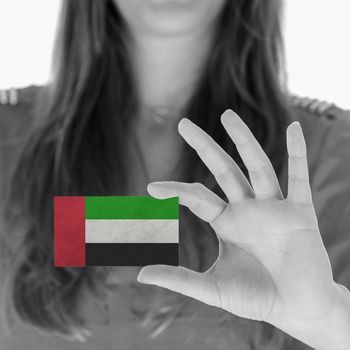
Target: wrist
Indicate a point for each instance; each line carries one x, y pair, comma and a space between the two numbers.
334, 329
339, 319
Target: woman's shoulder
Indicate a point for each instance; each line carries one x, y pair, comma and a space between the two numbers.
320, 117
326, 128
320, 108
19, 97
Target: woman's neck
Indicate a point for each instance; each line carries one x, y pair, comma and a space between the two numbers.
168, 68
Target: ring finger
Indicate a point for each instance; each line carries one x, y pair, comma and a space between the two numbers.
227, 173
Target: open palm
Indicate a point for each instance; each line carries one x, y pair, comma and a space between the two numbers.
272, 264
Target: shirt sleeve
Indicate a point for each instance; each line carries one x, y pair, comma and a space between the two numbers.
331, 197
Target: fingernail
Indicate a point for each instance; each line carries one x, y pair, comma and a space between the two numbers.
183, 124
229, 111
140, 278
184, 120
153, 186
228, 114
155, 183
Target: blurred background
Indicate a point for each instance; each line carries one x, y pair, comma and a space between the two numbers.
317, 34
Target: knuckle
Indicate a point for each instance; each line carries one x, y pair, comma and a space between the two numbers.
298, 178
224, 171
199, 190
258, 167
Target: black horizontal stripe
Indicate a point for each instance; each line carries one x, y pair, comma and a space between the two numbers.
131, 254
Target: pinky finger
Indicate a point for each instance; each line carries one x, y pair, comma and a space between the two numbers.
299, 190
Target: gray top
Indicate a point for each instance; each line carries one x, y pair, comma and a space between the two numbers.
199, 326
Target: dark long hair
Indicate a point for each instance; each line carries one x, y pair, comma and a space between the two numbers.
76, 145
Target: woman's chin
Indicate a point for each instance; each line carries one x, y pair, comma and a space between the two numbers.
169, 17
171, 23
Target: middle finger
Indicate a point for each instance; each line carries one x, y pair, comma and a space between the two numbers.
260, 169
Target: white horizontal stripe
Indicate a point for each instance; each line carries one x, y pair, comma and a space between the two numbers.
132, 231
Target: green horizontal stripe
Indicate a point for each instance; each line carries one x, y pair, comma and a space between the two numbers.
131, 207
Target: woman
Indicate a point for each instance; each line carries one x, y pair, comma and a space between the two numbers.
126, 72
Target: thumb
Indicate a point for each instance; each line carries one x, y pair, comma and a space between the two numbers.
182, 280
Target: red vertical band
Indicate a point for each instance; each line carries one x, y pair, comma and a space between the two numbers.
69, 231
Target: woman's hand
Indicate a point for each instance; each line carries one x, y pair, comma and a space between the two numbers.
272, 265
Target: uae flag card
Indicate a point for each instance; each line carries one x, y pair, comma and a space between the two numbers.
115, 231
